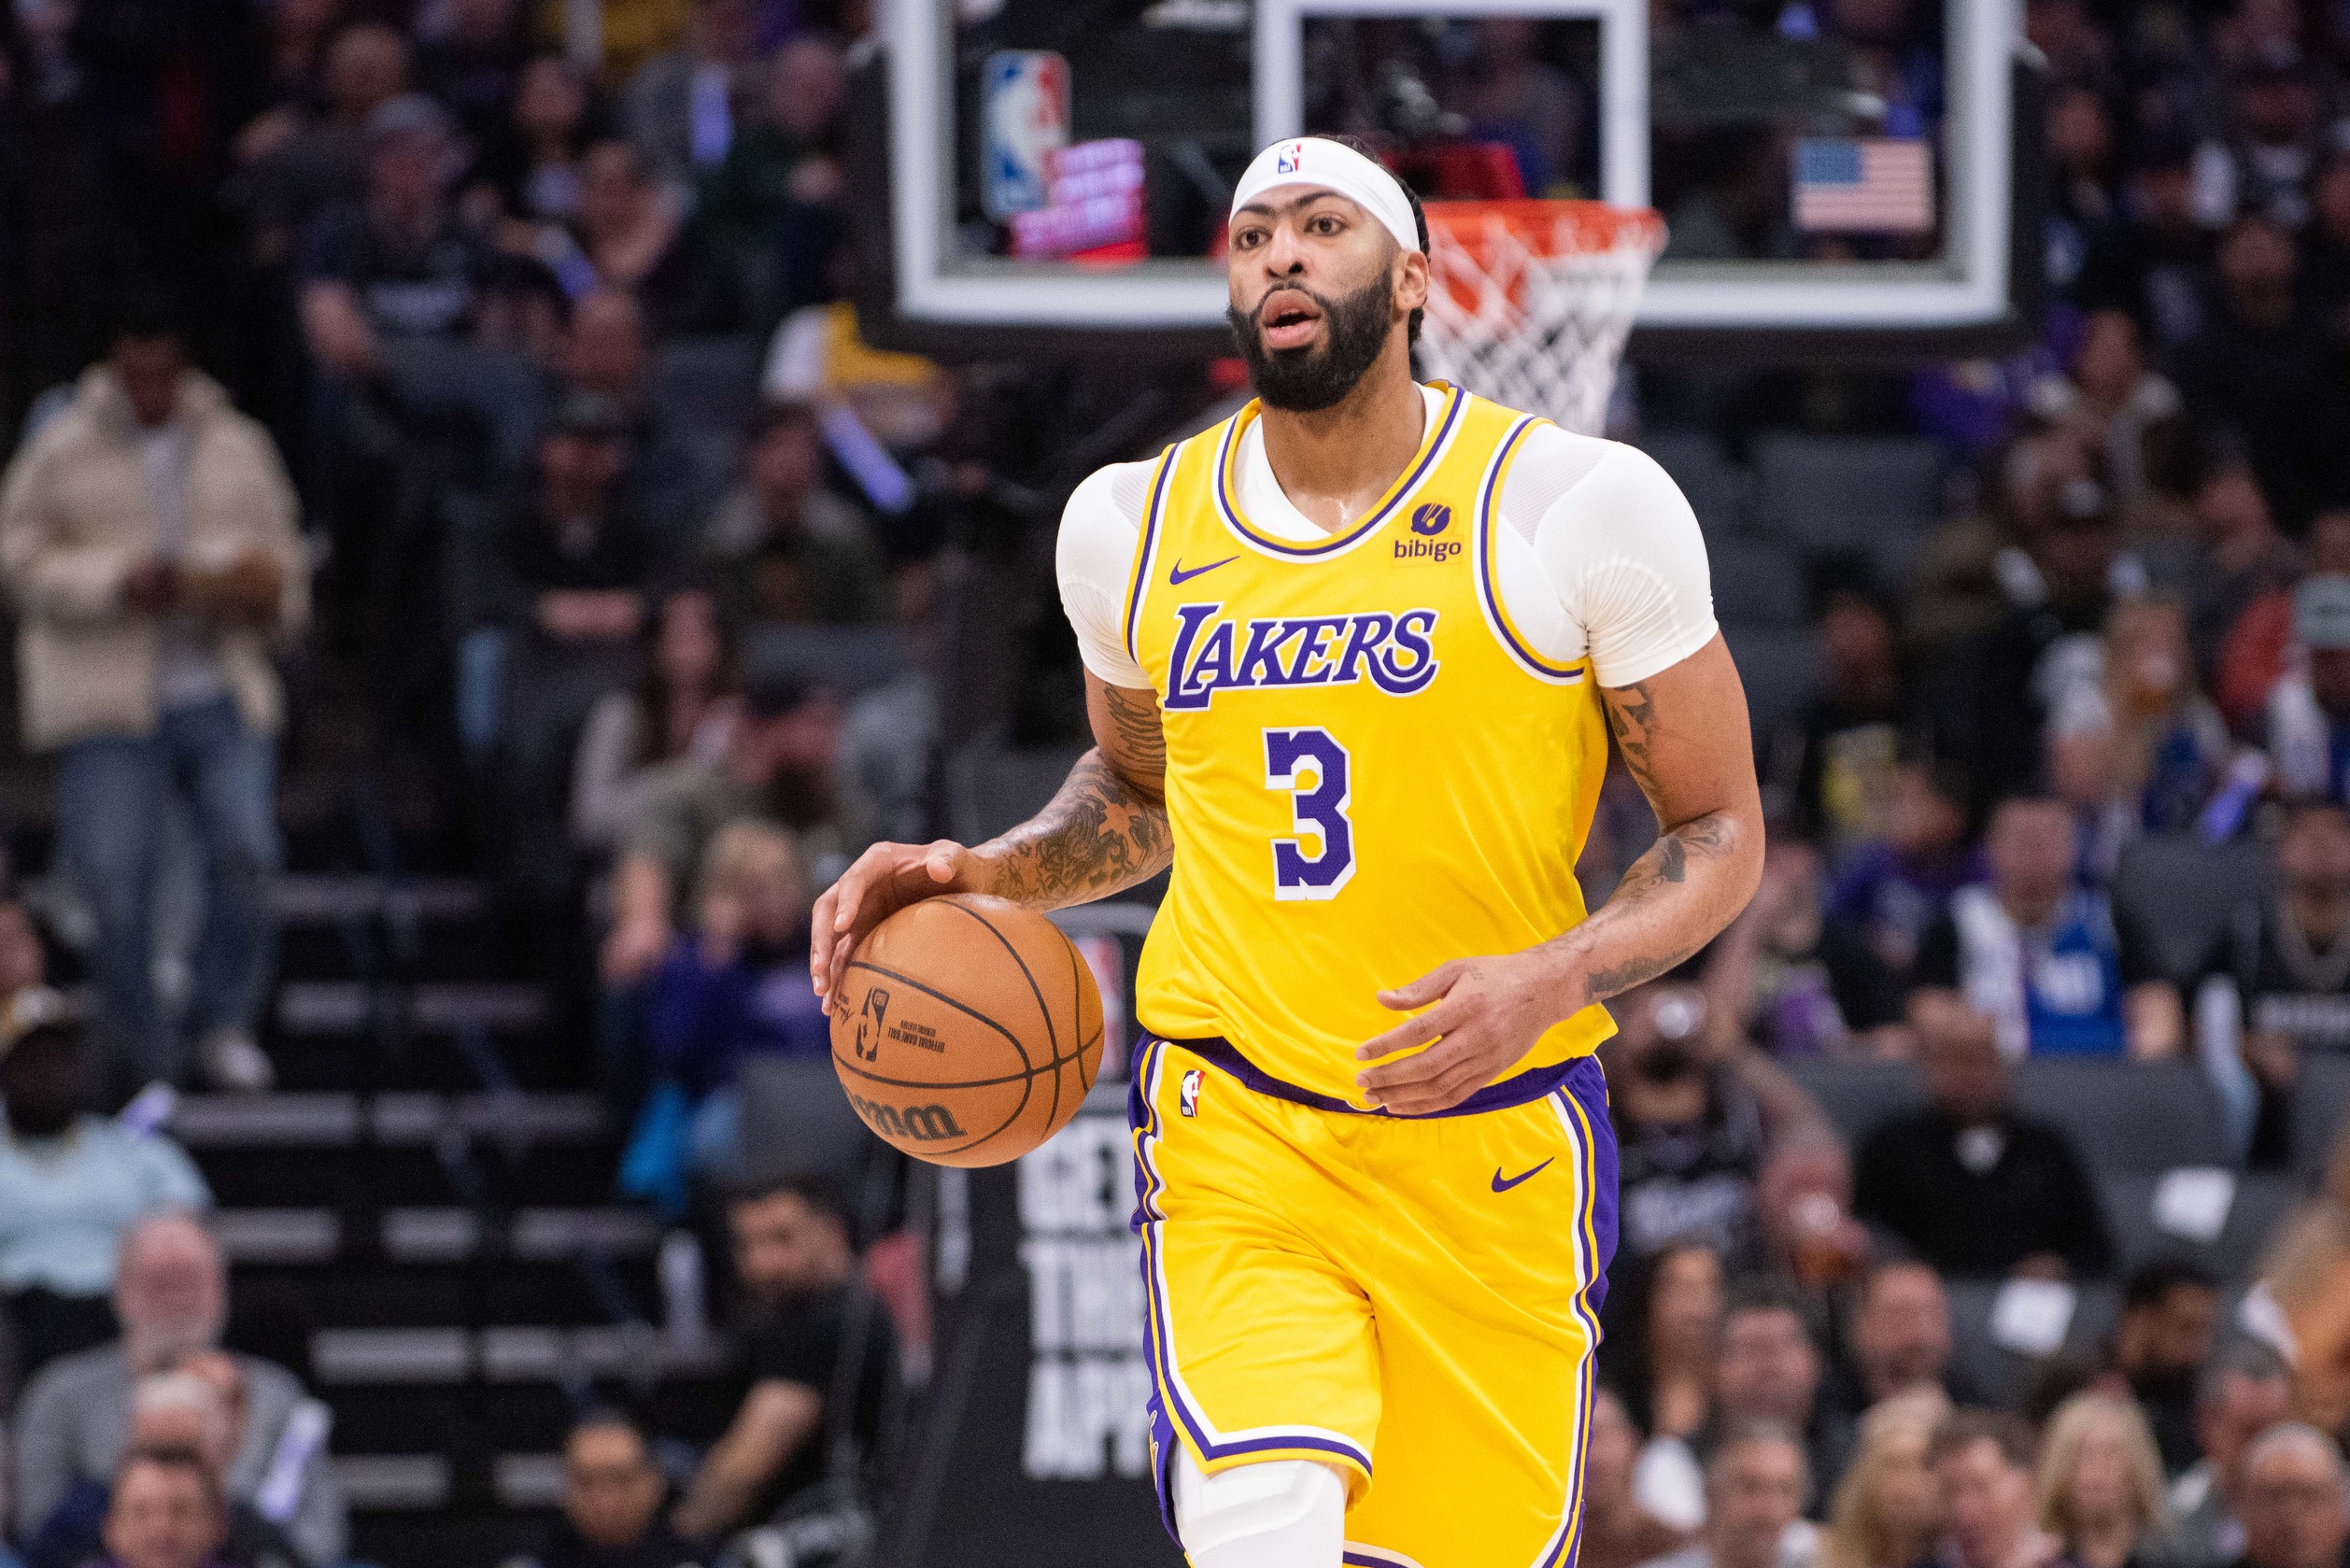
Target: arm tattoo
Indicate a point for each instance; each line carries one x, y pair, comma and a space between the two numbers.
1631, 714
1142, 739
1098, 835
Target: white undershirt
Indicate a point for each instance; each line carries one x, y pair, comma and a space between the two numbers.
1599, 554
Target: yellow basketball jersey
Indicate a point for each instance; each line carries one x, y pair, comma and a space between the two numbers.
1368, 769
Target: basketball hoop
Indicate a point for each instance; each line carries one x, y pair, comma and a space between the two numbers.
1529, 302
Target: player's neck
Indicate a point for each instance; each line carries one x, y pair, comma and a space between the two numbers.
1334, 463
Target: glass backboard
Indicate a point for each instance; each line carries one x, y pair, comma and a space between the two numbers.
1827, 166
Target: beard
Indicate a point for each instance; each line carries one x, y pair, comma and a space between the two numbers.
1306, 380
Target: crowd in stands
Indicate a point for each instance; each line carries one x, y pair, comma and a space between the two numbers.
387, 336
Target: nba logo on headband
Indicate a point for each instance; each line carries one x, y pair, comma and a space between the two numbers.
1289, 158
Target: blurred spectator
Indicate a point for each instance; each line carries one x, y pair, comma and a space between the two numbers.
396, 263
2326, 243
769, 203
2309, 710
1755, 1487
2239, 1393
1692, 1126
1670, 1343
683, 106
529, 162
902, 400
2101, 1484
165, 1512
1835, 759
2041, 958
171, 1296
1887, 1509
1803, 1208
24, 995
1788, 981
2261, 364
2264, 165
685, 708
738, 986
1511, 94
2139, 750
1976, 1188
2121, 406
2151, 264
171, 1410
298, 30
782, 548
2294, 1509
612, 1504
73, 1187
148, 537
2170, 1314
630, 234
2283, 965
1982, 1463
475, 67
2240, 558
820, 1335
1888, 892
1899, 1341
607, 349
301, 158
1769, 1370
2259, 650
781, 766
2057, 571
1618, 1530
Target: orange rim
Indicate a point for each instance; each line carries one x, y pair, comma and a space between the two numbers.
1549, 228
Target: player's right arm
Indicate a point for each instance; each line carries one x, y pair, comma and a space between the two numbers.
1105, 830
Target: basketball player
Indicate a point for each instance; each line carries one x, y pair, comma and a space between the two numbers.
1349, 659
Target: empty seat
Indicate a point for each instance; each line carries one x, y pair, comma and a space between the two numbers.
2261, 1199
2181, 892
1717, 487
1779, 666
709, 380
2319, 1097
2001, 1377
1757, 582
2126, 1116
1857, 1095
1845, 491
848, 658
796, 1121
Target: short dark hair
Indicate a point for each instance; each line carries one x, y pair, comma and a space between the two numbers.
1419, 213
2150, 1283
146, 309
819, 1192
173, 1457
1759, 1292
1960, 1430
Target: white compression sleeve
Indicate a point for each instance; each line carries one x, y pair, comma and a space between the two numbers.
1284, 1513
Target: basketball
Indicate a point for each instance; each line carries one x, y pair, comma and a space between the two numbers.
968, 1030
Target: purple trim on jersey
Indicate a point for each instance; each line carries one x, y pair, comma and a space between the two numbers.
1456, 401
1525, 1089
1488, 547
1145, 552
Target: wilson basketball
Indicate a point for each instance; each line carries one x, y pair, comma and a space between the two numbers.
968, 1030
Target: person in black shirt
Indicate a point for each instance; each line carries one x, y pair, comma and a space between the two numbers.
1971, 1186
2288, 962
816, 1323
2170, 1317
612, 1502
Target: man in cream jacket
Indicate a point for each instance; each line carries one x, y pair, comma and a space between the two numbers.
147, 541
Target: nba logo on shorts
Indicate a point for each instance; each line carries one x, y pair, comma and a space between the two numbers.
1190, 1097
1286, 162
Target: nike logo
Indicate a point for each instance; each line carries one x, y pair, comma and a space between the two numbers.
1502, 1184
1177, 577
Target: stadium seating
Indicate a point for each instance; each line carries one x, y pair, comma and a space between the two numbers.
2128, 1199
2181, 892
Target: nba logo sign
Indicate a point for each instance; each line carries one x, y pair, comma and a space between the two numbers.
1025, 122
1286, 162
1190, 1095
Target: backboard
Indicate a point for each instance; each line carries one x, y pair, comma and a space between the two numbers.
1842, 178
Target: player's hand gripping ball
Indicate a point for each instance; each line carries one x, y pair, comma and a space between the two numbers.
966, 1030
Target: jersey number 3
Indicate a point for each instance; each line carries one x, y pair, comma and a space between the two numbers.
1312, 768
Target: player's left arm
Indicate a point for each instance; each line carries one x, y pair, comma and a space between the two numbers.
1619, 555
1683, 733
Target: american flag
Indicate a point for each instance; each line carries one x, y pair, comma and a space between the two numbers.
1874, 185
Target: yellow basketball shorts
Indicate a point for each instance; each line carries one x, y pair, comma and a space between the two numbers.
1411, 1300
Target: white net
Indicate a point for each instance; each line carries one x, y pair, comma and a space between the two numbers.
1530, 303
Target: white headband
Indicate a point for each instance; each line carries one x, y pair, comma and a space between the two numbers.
1332, 166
